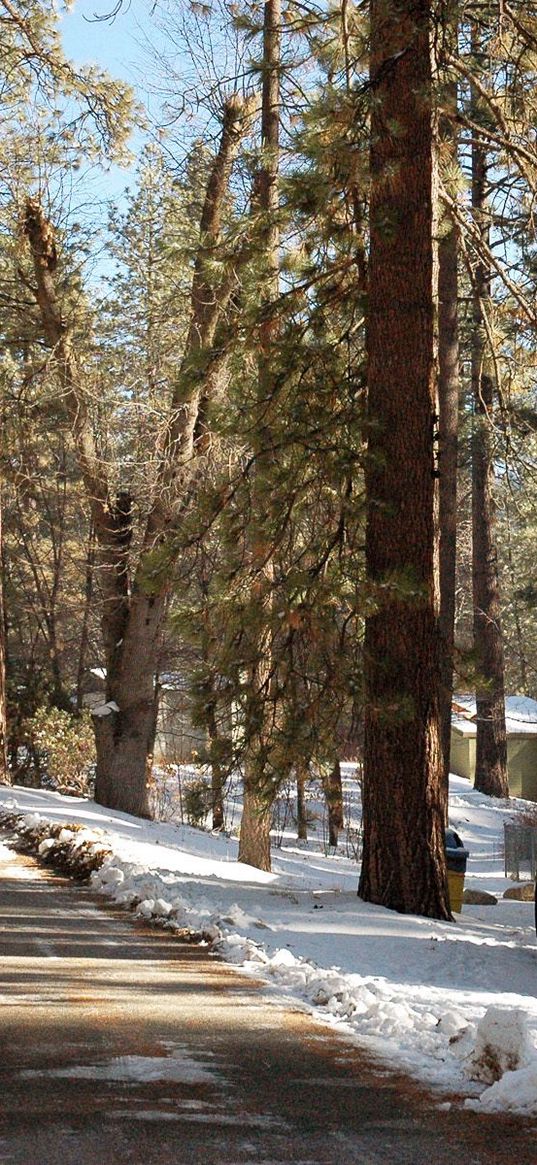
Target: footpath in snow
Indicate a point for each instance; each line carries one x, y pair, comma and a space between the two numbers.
454, 1005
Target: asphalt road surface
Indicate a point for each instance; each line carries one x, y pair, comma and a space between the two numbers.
120, 1044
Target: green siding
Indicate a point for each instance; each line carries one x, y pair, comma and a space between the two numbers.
521, 759
462, 759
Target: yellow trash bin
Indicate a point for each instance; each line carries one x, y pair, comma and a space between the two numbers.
456, 888
456, 858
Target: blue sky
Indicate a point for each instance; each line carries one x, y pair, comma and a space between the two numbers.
112, 44
122, 46
117, 46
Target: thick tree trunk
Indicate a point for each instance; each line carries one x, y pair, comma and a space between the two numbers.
333, 792
256, 821
448, 393
260, 784
125, 734
124, 743
491, 774
403, 864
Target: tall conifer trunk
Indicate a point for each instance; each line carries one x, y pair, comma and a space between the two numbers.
448, 384
333, 792
403, 864
491, 774
301, 808
259, 782
448, 394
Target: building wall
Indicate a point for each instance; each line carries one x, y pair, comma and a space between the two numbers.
177, 740
521, 759
462, 761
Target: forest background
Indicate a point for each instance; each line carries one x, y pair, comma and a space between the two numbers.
269, 420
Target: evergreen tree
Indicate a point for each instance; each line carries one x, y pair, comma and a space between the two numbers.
54, 115
404, 793
134, 600
254, 845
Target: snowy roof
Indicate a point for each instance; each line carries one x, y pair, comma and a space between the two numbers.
520, 715
168, 680
173, 681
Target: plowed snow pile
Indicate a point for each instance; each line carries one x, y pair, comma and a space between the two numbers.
453, 1004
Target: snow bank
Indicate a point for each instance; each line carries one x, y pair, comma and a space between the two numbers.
505, 1056
452, 1004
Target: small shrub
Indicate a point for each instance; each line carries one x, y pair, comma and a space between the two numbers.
66, 748
165, 792
197, 800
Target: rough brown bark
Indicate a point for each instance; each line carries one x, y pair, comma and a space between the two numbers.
256, 821
333, 792
491, 775
125, 736
133, 608
403, 864
260, 783
301, 815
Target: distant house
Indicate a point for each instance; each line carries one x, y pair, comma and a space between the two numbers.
521, 728
177, 741
93, 688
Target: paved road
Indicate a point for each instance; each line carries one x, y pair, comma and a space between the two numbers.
122, 1045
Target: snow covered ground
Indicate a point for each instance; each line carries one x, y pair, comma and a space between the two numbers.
454, 1005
